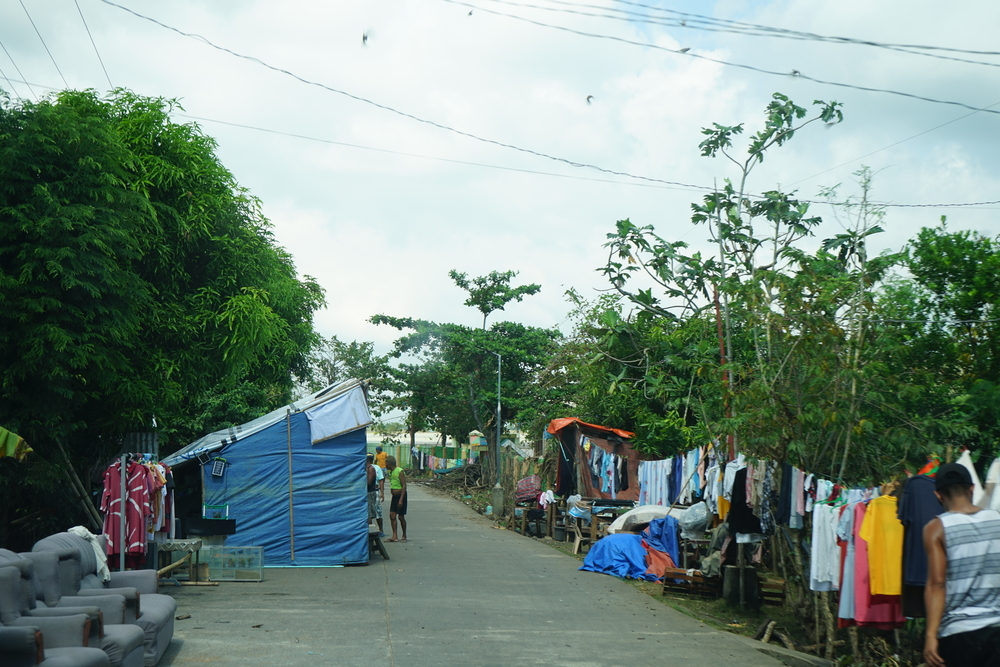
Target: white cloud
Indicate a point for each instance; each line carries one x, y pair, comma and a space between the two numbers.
380, 231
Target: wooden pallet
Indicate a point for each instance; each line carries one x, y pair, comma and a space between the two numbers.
677, 580
772, 591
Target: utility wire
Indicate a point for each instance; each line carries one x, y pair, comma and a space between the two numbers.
43, 43
678, 186
404, 114
99, 58
684, 52
732, 27
11, 85
19, 73
770, 29
919, 134
429, 157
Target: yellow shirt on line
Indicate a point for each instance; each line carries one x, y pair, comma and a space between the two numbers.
884, 534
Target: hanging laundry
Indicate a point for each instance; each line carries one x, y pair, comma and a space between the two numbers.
965, 460
882, 612
824, 561
884, 534
917, 505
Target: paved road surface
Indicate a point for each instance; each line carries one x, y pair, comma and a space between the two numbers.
458, 593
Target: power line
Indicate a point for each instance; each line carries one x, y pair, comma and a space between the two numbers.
428, 157
404, 114
684, 52
43, 43
708, 24
99, 58
849, 40
919, 134
678, 186
12, 89
19, 73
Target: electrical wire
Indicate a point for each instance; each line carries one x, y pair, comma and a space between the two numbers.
37, 32
919, 134
677, 186
431, 157
404, 114
847, 40
732, 27
94, 44
684, 52
11, 85
19, 73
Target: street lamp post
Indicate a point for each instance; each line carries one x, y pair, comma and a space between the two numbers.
497, 489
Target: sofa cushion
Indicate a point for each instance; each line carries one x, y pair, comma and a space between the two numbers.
70, 562
27, 571
46, 579
88, 559
121, 640
11, 595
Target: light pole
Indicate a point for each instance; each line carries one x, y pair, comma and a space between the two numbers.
497, 489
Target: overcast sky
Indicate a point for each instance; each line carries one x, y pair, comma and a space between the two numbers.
380, 230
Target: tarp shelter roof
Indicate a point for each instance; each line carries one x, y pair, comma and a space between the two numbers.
557, 425
333, 411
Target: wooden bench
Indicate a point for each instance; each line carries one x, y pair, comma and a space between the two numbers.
375, 543
677, 580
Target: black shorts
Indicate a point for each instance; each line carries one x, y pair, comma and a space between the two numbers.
396, 506
978, 647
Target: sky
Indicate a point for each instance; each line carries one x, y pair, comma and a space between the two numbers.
378, 206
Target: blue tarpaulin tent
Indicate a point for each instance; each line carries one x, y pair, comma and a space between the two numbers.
294, 480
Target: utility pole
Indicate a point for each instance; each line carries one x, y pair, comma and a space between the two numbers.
497, 488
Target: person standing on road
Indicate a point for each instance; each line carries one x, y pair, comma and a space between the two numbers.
963, 577
397, 507
376, 493
380, 457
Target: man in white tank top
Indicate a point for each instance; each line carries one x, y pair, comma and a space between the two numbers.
963, 577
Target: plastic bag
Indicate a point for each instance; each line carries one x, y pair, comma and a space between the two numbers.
694, 521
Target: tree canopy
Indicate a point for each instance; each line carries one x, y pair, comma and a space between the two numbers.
137, 278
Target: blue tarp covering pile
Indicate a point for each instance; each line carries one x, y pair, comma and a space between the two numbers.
622, 554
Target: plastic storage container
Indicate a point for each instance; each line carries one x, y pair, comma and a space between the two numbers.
234, 563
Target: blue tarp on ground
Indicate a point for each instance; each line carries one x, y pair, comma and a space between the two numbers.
330, 508
620, 555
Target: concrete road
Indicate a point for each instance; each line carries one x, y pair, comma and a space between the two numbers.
459, 592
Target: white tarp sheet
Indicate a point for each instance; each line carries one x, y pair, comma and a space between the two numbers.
347, 412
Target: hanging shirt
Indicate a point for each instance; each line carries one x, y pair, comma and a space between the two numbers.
884, 534
845, 536
972, 543
917, 506
824, 570
992, 497
965, 460
884, 612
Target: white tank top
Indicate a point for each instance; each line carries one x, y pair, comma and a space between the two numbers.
972, 542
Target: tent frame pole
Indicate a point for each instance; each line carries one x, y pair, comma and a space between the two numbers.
291, 503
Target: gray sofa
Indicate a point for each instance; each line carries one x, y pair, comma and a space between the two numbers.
30, 645
123, 644
78, 577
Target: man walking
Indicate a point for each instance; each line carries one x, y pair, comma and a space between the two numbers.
397, 506
376, 493
380, 457
963, 577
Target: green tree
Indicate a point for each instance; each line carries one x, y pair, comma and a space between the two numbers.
492, 292
138, 280
449, 381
